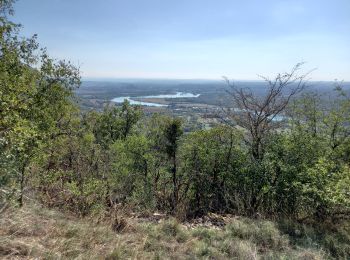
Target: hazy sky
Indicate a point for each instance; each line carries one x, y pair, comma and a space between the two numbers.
193, 38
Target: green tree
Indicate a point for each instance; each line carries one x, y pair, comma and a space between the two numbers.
212, 161
116, 123
36, 97
133, 168
173, 132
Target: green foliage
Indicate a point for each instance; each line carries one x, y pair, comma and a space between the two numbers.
115, 123
84, 162
213, 162
133, 169
36, 99
173, 132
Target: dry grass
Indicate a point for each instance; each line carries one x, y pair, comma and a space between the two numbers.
36, 232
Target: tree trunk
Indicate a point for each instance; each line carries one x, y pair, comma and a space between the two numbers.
22, 182
175, 195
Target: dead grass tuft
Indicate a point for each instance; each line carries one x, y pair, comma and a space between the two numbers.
36, 232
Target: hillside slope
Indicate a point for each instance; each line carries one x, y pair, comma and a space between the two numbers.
36, 232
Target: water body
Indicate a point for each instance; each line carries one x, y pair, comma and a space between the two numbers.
149, 104
277, 118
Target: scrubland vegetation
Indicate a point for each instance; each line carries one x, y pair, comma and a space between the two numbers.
285, 183
36, 232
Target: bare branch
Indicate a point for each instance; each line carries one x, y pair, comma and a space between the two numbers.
257, 113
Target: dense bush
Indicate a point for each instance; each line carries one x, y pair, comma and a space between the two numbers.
301, 175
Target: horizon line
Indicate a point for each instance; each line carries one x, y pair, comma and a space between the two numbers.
106, 79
